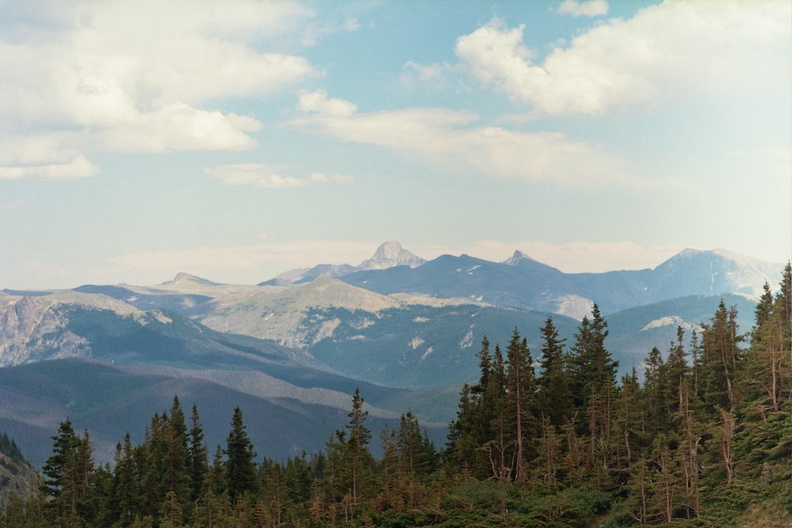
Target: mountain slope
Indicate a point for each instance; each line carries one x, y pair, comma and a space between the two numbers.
524, 283
17, 475
110, 400
635, 331
420, 347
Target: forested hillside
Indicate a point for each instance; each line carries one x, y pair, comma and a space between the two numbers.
18, 477
704, 439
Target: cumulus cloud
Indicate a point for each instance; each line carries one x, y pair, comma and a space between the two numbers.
140, 77
266, 176
450, 137
318, 102
588, 8
676, 50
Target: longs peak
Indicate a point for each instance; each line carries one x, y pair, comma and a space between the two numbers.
391, 254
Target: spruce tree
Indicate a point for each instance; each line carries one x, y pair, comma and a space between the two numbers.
176, 458
521, 385
554, 398
357, 457
197, 455
240, 468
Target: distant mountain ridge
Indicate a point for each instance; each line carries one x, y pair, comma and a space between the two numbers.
295, 349
524, 283
387, 255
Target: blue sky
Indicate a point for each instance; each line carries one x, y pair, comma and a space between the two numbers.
237, 140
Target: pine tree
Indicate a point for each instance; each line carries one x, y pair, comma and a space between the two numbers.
461, 447
594, 375
240, 469
126, 492
68, 477
554, 399
151, 461
197, 455
176, 458
656, 390
521, 385
720, 360
630, 421
64, 449
358, 459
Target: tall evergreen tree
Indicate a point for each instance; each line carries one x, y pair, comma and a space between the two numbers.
594, 375
197, 455
240, 468
521, 386
176, 457
554, 398
720, 360
68, 477
357, 456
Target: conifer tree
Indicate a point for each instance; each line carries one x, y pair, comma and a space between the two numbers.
197, 455
593, 373
358, 459
554, 398
240, 469
126, 493
176, 457
521, 385
68, 477
720, 359
656, 390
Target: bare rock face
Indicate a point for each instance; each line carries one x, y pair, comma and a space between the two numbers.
34, 328
30, 327
388, 255
17, 477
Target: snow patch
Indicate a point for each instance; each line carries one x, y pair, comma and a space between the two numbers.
162, 318
420, 320
467, 341
426, 354
669, 320
416, 342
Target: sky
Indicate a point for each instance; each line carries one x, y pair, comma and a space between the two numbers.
238, 140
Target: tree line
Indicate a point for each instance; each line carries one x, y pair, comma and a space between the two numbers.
555, 440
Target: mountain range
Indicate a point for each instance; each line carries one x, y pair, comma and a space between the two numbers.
291, 350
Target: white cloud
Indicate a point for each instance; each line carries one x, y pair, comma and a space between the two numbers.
436, 76
318, 102
76, 168
448, 137
588, 8
265, 176
317, 31
711, 52
139, 77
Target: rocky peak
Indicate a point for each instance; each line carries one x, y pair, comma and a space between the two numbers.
518, 257
391, 254
185, 278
